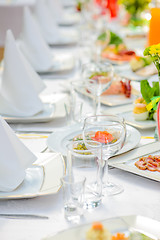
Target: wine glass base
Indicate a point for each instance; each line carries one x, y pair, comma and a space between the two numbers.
110, 189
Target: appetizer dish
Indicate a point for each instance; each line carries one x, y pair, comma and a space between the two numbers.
143, 66
145, 107
140, 111
99, 136
151, 163
114, 48
99, 232
118, 86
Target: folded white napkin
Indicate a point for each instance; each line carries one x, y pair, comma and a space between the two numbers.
56, 9
20, 85
33, 45
47, 23
15, 158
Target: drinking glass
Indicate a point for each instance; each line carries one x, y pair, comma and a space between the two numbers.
73, 196
98, 78
81, 105
110, 132
82, 163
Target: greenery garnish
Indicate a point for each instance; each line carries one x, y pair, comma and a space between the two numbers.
114, 38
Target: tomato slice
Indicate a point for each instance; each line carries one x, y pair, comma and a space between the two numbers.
103, 137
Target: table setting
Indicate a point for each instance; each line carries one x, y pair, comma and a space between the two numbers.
79, 124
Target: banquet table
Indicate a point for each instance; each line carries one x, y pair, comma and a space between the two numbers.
140, 196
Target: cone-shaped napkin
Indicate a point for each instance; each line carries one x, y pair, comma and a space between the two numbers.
18, 88
33, 45
48, 26
15, 158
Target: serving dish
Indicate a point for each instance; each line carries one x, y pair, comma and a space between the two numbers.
123, 224
127, 161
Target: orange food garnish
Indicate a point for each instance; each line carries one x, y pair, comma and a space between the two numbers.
119, 236
103, 137
97, 226
137, 57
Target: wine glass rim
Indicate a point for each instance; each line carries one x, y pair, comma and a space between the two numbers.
107, 115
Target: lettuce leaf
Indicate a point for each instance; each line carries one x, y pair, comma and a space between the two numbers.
114, 38
102, 37
149, 92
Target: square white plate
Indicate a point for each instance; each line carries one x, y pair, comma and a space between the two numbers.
121, 224
129, 118
61, 63
43, 178
45, 116
126, 111
111, 100
126, 161
65, 38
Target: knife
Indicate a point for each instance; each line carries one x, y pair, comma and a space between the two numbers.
22, 216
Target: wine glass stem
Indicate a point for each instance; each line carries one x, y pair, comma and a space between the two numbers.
97, 105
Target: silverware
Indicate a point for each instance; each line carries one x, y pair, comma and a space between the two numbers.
22, 216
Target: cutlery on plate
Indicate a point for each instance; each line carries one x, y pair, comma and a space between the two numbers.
22, 216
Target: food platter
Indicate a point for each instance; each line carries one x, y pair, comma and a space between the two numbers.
122, 224
127, 161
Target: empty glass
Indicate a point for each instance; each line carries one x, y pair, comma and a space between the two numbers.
81, 104
73, 197
81, 162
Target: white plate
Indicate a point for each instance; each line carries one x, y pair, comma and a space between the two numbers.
131, 75
58, 140
126, 161
128, 73
128, 116
111, 100
61, 63
41, 179
122, 224
45, 116
65, 38
69, 19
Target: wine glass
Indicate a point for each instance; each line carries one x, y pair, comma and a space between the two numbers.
98, 78
110, 132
